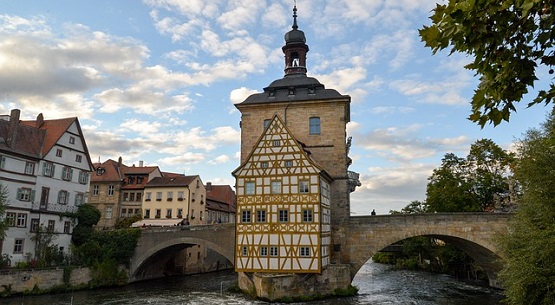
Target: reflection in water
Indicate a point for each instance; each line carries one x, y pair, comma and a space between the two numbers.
379, 285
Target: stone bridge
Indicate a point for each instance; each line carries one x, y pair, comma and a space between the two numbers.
361, 238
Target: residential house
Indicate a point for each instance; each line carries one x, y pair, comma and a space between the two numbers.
45, 169
117, 190
220, 204
174, 199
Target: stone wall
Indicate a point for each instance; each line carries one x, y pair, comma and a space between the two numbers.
275, 287
19, 281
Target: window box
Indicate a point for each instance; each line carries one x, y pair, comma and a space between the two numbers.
179, 199
170, 199
147, 199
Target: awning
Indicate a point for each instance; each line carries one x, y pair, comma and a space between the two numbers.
158, 223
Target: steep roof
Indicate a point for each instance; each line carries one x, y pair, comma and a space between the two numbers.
108, 171
54, 130
27, 141
220, 193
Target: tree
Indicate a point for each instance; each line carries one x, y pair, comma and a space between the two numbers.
3, 204
87, 216
508, 39
471, 184
528, 249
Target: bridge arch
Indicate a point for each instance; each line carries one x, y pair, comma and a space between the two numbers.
473, 233
157, 245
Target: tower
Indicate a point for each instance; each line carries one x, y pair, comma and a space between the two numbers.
293, 184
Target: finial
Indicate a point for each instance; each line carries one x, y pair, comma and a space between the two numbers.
295, 26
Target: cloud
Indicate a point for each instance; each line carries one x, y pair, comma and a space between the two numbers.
219, 160
239, 95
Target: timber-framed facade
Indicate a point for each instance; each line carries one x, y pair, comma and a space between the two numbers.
283, 215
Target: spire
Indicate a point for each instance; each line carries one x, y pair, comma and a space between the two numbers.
295, 26
295, 49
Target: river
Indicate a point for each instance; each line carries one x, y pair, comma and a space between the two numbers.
379, 285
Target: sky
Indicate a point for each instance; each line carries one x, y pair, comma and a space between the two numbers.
156, 81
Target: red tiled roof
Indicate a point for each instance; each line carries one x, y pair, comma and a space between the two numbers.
27, 141
220, 193
111, 172
55, 129
139, 169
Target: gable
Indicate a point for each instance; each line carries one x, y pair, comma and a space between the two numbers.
277, 153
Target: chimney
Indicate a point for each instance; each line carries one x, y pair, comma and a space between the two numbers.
120, 161
40, 120
140, 163
208, 186
12, 129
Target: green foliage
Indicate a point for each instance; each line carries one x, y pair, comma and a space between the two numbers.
415, 207
46, 252
88, 215
5, 261
3, 203
107, 273
471, 184
102, 246
126, 222
528, 249
508, 39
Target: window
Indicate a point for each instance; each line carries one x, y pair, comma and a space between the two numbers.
18, 245
170, 196
303, 187
10, 219
131, 196
263, 251
123, 213
44, 197
79, 199
274, 251
261, 216
180, 195
125, 196
34, 225
158, 196
158, 213
111, 189
244, 251
29, 168
21, 220
276, 187
58, 152
25, 194
147, 213
140, 180
51, 225
264, 164
63, 197
67, 172
305, 251
249, 188
67, 227
288, 163
169, 213
2, 161
276, 143
307, 215
83, 177
266, 123
179, 213
108, 212
314, 123
48, 169
148, 195
139, 197
130, 179
283, 216
245, 216
95, 190
78, 158
71, 140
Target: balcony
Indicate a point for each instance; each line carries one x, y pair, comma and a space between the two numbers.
53, 207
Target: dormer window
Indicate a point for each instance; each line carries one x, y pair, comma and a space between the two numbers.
100, 171
311, 90
291, 91
272, 93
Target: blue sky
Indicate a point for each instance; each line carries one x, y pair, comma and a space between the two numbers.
156, 81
